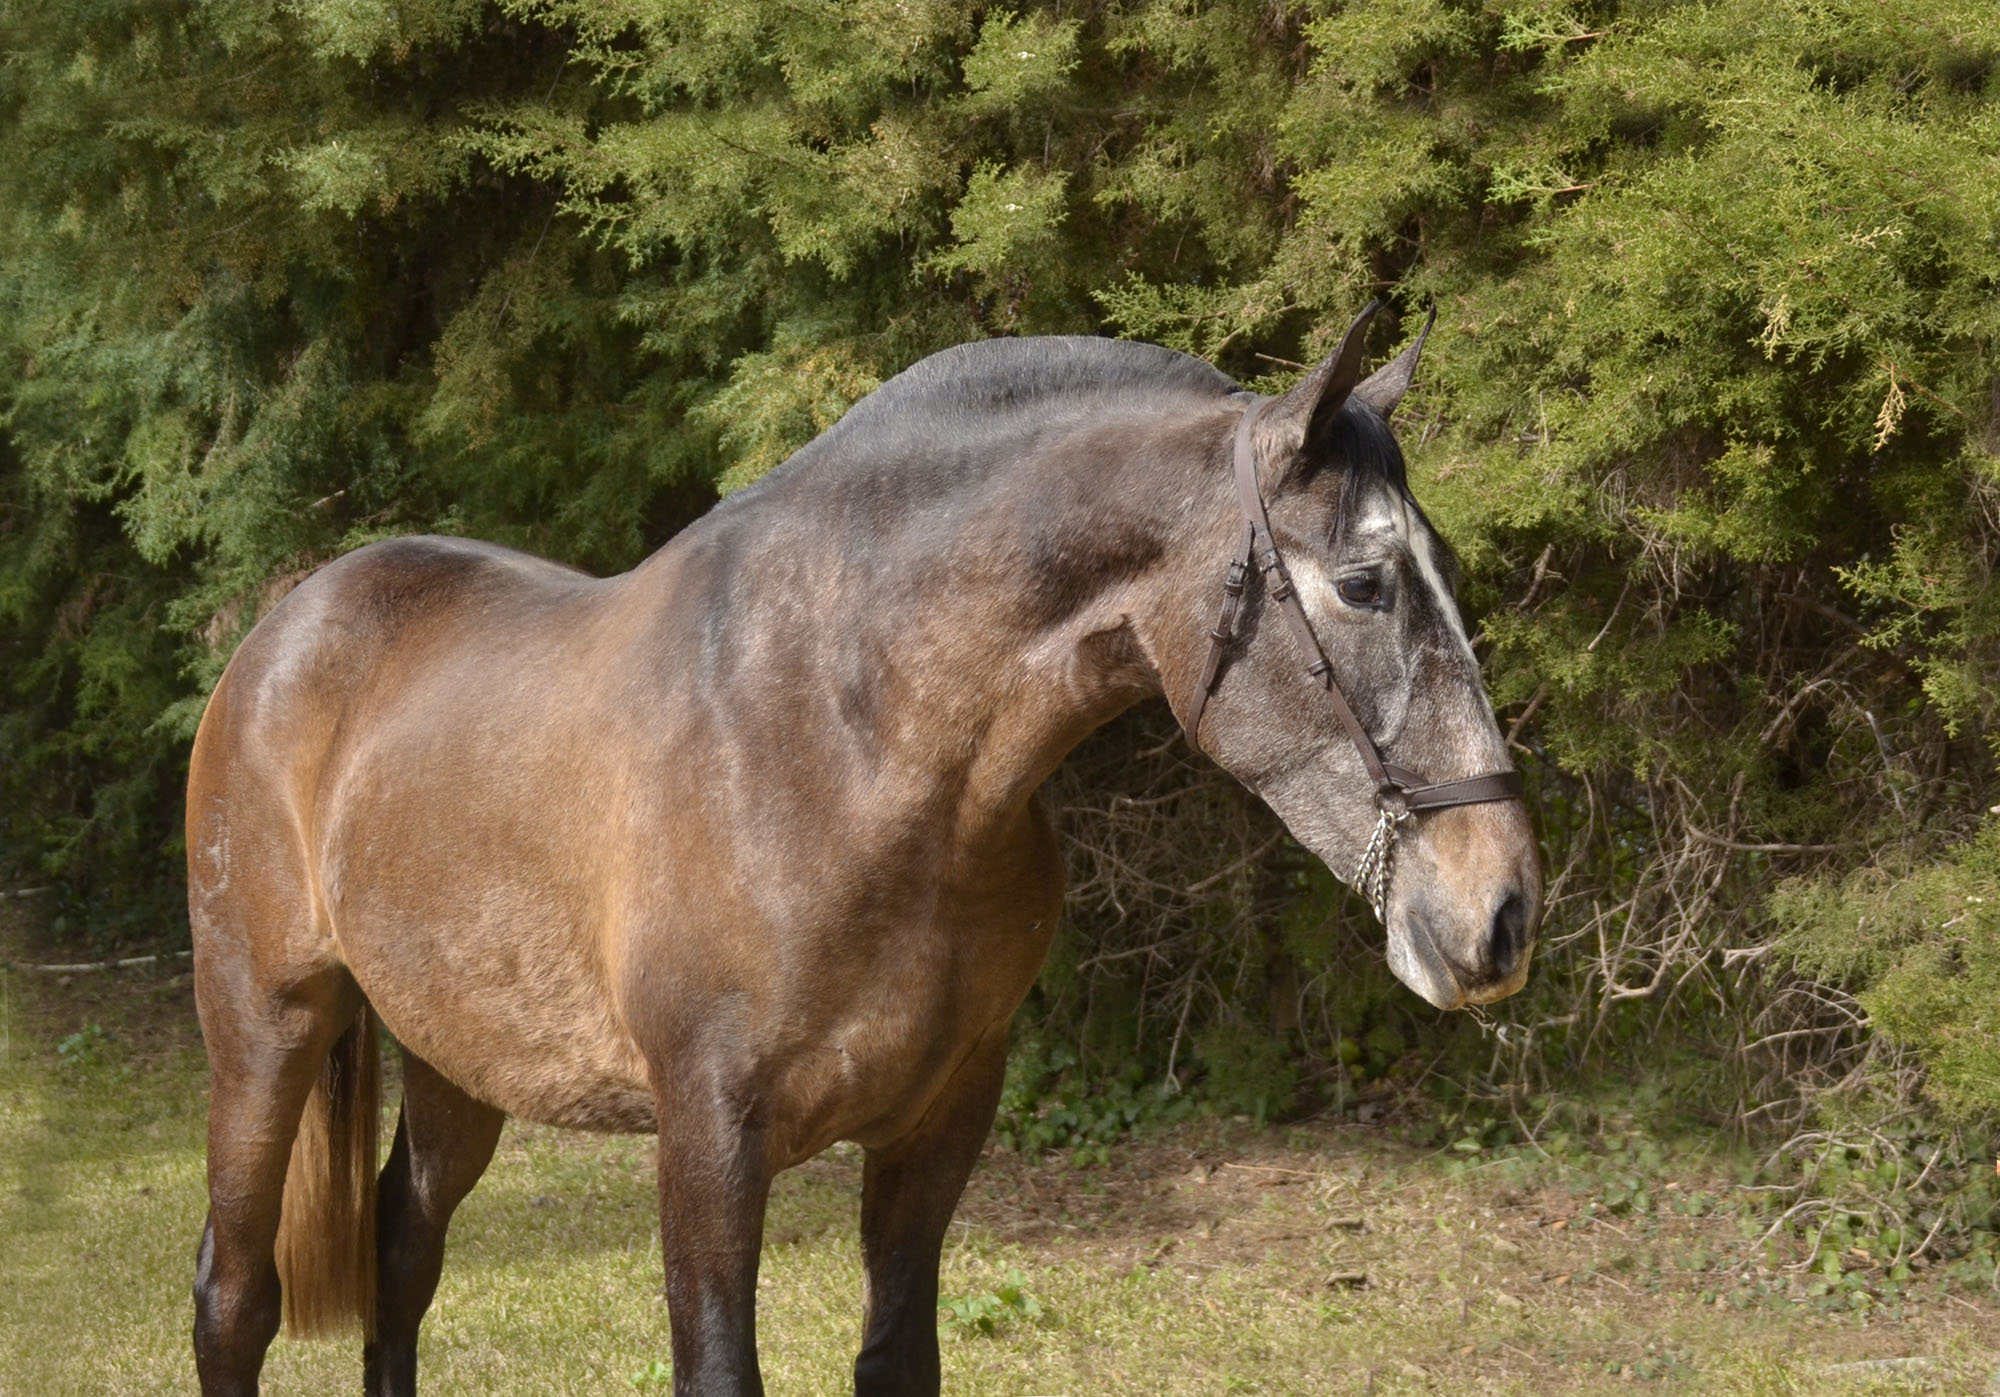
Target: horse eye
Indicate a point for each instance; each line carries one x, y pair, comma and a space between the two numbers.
1360, 589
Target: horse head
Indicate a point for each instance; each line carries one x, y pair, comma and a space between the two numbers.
1341, 686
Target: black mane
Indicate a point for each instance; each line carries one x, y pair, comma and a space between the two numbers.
929, 421
992, 375
937, 426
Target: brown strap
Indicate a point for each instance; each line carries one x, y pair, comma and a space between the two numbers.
1225, 626
1467, 790
1278, 587
1392, 783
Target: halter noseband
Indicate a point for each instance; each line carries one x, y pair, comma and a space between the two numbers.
1399, 794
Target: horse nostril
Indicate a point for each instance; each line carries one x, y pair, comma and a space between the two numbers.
1510, 935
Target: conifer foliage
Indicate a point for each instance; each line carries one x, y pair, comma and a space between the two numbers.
1711, 411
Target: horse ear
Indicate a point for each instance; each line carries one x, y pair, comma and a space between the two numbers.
1304, 413
1384, 389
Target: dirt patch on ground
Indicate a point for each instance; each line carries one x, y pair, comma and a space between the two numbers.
148, 1007
1520, 1268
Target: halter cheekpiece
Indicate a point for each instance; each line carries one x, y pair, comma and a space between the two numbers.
1400, 795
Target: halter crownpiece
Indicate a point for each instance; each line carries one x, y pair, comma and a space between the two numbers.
1400, 795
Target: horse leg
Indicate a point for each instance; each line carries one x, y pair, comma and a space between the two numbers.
265, 1059
909, 1190
714, 1183
444, 1141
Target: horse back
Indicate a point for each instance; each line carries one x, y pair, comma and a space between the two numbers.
369, 624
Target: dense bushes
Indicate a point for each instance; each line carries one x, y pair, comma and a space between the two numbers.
1711, 413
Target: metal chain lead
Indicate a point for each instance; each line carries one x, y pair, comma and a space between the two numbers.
1371, 875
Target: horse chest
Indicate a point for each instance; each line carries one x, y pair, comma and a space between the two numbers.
844, 1022
866, 1064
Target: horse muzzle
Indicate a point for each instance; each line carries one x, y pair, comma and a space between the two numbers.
1454, 962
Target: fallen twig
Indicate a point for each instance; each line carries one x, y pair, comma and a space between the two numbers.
1278, 1169
82, 967
1742, 848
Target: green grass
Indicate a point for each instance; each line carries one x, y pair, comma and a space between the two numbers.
1198, 1262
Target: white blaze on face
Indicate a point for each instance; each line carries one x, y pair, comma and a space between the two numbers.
1387, 511
1423, 547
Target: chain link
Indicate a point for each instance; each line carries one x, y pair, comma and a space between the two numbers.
1371, 875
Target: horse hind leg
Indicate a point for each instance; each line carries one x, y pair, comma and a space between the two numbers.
287, 1200
444, 1141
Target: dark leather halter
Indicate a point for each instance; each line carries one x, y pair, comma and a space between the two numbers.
1400, 794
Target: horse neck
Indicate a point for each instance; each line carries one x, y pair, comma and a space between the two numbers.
976, 640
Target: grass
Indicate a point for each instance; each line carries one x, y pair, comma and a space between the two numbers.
1211, 1258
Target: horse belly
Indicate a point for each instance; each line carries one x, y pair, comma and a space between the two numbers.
509, 1004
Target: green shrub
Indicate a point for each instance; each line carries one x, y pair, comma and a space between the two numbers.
1920, 951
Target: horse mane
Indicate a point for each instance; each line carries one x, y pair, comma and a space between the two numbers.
940, 421
934, 416
994, 375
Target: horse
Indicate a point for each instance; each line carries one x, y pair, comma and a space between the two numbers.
743, 847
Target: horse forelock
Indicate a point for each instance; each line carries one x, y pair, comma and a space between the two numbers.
1360, 445
1375, 498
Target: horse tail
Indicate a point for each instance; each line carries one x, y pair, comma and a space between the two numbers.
326, 1228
